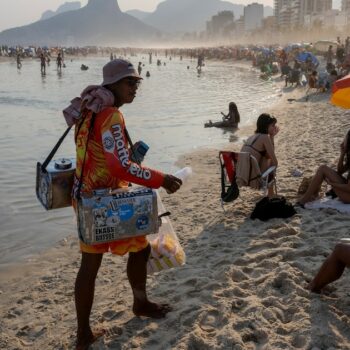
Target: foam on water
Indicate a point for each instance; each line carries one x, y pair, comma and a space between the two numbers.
168, 114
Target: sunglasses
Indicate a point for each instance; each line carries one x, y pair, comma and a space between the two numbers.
132, 82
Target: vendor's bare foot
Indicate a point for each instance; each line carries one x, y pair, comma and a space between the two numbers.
86, 339
312, 288
152, 310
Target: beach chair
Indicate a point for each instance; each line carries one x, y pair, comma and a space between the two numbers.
230, 183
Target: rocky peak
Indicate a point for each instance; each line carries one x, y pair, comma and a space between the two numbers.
104, 5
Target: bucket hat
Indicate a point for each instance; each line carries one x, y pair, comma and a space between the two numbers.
118, 69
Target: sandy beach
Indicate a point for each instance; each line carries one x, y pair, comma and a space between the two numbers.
243, 286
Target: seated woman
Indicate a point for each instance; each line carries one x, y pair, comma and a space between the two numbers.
230, 120
261, 144
340, 184
332, 268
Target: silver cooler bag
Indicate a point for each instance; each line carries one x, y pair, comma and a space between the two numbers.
105, 216
54, 184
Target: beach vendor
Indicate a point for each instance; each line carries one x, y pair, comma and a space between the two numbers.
107, 165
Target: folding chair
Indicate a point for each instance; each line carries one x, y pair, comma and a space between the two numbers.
230, 183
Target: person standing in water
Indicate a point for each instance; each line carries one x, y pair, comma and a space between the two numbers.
59, 62
19, 63
42, 63
139, 68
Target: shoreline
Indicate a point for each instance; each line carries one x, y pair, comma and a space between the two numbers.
243, 284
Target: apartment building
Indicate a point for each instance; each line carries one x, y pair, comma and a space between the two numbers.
291, 13
253, 16
345, 5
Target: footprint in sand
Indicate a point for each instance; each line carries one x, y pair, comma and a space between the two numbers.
238, 275
238, 305
211, 321
111, 314
113, 332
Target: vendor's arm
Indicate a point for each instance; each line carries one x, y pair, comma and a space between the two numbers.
117, 155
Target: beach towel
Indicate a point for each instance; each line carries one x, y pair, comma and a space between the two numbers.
94, 98
248, 172
329, 203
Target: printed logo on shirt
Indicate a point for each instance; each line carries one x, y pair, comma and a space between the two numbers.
123, 153
139, 172
108, 141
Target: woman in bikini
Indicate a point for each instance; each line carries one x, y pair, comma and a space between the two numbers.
261, 144
335, 178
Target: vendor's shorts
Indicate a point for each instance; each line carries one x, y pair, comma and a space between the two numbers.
128, 245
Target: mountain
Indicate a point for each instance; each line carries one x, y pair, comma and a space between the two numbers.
100, 22
67, 6
188, 15
141, 15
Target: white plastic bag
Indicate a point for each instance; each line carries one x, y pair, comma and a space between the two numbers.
166, 251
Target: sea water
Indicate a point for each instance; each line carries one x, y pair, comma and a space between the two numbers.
168, 114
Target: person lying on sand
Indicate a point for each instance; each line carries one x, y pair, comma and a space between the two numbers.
261, 144
335, 178
332, 268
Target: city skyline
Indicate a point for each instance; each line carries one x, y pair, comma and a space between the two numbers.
31, 11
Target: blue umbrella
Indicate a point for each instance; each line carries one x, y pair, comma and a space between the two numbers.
304, 56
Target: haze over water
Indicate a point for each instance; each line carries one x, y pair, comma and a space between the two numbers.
168, 114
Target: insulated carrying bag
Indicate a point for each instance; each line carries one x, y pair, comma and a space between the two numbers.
107, 216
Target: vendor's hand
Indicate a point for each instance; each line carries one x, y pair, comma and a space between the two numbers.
171, 183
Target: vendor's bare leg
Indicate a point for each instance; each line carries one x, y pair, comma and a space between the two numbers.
323, 172
84, 297
137, 275
332, 268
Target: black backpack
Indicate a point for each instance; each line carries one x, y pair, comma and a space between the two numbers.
269, 208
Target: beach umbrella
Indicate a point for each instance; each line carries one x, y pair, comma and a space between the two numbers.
304, 56
341, 92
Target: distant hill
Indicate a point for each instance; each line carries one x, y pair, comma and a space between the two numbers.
67, 6
141, 15
188, 15
100, 22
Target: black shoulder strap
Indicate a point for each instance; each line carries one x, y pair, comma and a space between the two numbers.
58, 144
54, 150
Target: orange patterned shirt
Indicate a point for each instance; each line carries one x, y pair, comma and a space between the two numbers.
107, 163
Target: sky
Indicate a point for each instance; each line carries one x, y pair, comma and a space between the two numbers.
14, 13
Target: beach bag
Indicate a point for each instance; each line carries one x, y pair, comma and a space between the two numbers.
166, 250
269, 208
